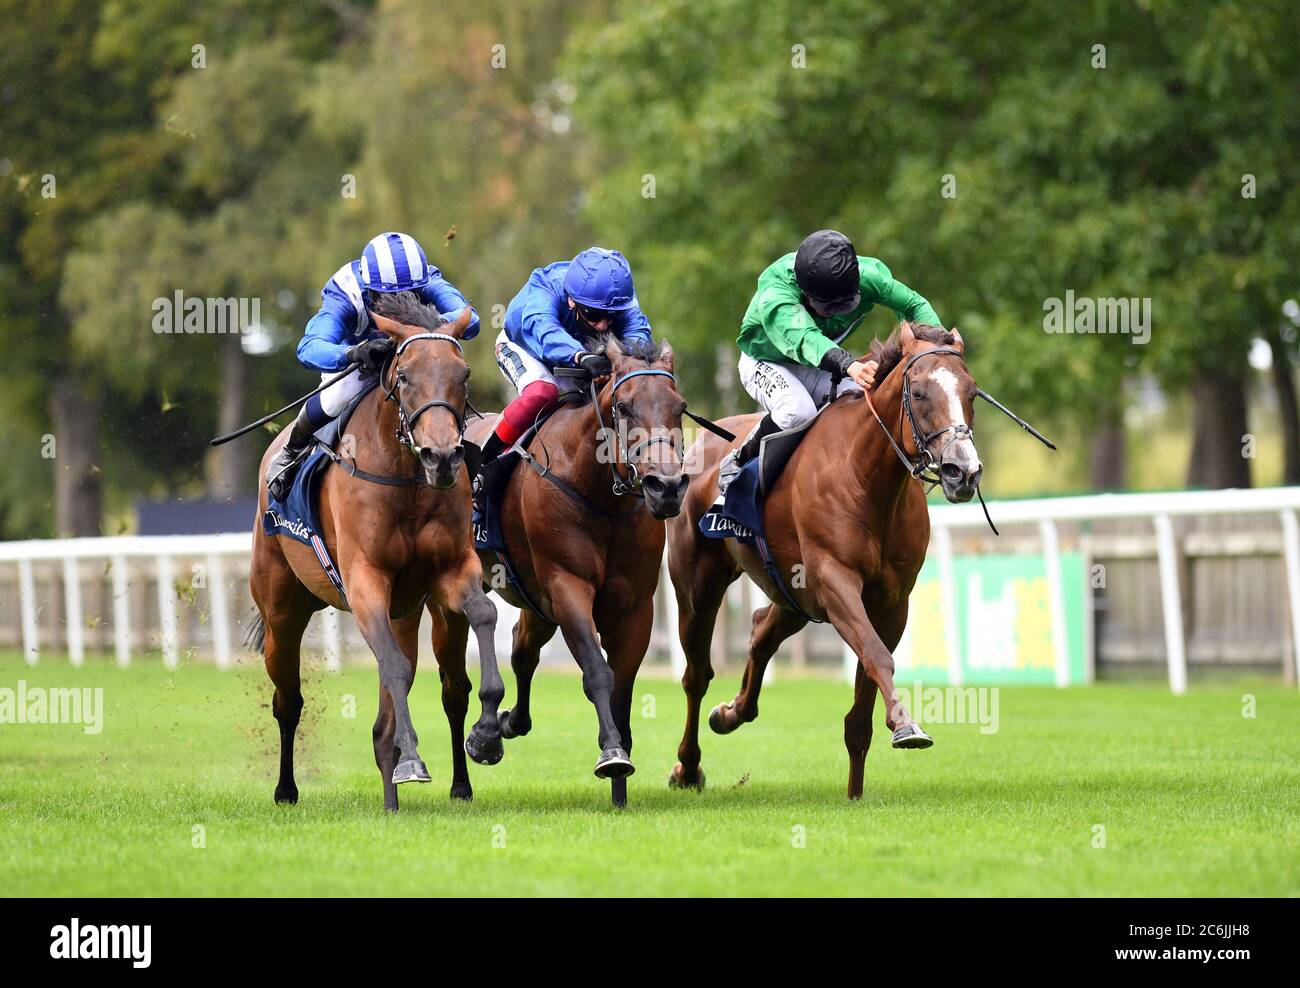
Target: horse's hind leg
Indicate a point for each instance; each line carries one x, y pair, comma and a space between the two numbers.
700, 574
406, 630
530, 635
450, 633
771, 626
284, 607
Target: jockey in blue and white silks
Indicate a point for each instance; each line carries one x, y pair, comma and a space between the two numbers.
342, 333
560, 309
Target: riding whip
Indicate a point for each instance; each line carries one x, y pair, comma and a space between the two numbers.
287, 408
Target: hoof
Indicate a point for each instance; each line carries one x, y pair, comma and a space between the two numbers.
411, 770
718, 722
483, 748
614, 764
675, 780
286, 794
512, 725
465, 792
912, 736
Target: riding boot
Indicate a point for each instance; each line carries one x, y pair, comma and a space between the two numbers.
492, 448
746, 451
281, 470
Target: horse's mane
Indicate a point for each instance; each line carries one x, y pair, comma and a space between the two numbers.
890, 352
608, 343
405, 307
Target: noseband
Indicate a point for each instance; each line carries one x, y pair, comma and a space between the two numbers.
631, 485
405, 422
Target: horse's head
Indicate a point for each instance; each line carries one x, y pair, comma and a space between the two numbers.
644, 407
429, 380
938, 395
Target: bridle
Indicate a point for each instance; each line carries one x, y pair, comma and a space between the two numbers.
925, 466
632, 483
406, 422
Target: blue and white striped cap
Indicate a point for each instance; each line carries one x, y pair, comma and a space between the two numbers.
393, 262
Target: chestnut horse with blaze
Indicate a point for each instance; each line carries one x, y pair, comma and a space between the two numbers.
849, 514
585, 534
402, 541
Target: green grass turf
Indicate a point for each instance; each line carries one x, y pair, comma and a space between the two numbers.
1195, 798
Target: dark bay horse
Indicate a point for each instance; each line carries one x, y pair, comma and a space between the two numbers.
849, 518
589, 556
402, 541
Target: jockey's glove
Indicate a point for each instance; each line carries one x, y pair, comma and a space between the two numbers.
837, 360
370, 354
595, 364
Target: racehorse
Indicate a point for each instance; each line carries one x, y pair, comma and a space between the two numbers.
582, 520
396, 518
848, 518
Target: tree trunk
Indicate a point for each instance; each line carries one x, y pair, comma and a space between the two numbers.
1219, 431
78, 495
1108, 458
229, 468
1288, 409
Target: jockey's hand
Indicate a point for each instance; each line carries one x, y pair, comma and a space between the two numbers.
369, 354
595, 364
863, 373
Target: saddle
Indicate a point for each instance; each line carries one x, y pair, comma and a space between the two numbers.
740, 516
298, 515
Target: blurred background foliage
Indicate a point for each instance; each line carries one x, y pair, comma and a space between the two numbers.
703, 140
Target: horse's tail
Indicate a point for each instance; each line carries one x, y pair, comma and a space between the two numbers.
255, 633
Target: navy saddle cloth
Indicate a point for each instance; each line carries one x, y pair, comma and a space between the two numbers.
740, 516
298, 515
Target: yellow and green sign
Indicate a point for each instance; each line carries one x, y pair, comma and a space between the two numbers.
999, 620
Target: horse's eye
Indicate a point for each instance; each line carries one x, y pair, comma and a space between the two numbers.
623, 409
917, 395
401, 376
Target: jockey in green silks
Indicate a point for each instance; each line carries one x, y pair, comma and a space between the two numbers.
806, 305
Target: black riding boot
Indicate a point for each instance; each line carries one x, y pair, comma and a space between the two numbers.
280, 471
492, 448
746, 451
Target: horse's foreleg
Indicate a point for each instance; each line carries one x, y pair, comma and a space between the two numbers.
464, 593
771, 626
572, 599
626, 642
530, 634
450, 633
840, 594
369, 592
857, 722
406, 630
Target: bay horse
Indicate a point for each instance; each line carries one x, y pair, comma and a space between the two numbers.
395, 515
849, 517
584, 531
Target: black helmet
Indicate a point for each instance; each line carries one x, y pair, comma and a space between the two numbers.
826, 268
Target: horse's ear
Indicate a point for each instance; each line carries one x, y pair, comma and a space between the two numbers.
389, 327
905, 335
457, 328
957, 341
666, 355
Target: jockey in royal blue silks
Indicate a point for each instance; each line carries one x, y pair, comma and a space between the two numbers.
548, 324
342, 333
